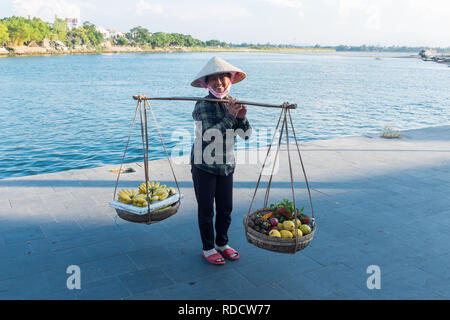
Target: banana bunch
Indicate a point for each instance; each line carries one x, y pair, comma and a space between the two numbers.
161, 193
156, 189
127, 196
156, 192
140, 200
171, 191
151, 187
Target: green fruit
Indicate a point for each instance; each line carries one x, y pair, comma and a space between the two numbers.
275, 233
286, 234
299, 233
280, 226
288, 225
305, 229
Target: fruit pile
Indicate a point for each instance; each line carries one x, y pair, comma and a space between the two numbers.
156, 192
280, 221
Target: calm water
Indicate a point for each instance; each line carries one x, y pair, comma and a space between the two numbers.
69, 112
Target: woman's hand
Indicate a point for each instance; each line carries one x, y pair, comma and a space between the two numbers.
237, 110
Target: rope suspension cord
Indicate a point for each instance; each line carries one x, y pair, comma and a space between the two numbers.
303, 167
145, 151
285, 113
285, 105
146, 161
164, 146
266, 198
126, 147
292, 184
264, 163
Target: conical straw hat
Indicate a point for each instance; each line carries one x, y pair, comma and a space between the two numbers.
218, 65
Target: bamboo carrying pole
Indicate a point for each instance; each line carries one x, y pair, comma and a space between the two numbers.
285, 105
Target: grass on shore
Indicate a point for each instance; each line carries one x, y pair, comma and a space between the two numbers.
390, 133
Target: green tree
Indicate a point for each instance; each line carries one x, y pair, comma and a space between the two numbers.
59, 30
19, 30
89, 34
4, 35
95, 37
140, 35
40, 30
159, 39
78, 37
213, 43
122, 41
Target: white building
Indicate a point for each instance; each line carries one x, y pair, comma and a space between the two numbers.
105, 32
110, 34
72, 23
116, 34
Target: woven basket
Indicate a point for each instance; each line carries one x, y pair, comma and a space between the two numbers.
154, 216
273, 243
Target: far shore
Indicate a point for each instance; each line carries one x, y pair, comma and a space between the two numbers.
25, 51
42, 51
29, 51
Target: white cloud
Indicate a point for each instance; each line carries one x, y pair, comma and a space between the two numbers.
211, 13
46, 9
292, 4
373, 17
361, 12
143, 6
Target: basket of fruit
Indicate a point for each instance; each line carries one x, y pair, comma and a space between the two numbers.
152, 202
278, 229
147, 206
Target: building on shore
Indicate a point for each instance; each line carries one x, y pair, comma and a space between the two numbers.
110, 34
72, 23
116, 34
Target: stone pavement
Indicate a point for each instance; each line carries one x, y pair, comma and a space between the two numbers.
377, 202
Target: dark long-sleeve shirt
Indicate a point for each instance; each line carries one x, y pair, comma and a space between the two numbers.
213, 122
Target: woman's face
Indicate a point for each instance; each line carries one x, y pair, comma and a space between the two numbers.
219, 82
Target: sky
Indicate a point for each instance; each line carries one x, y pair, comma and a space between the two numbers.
299, 22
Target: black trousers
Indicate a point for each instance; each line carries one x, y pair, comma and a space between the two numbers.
209, 189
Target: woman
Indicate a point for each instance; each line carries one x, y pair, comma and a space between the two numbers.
212, 157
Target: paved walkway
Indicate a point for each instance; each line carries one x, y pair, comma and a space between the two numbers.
377, 202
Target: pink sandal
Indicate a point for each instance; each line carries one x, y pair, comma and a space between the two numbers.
215, 258
230, 254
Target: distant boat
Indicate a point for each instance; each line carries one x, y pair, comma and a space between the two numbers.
427, 55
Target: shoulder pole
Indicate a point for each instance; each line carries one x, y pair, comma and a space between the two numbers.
285, 105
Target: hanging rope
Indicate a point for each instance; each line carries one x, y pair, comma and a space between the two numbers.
126, 147
264, 163
292, 185
284, 127
266, 198
303, 167
164, 146
142, 110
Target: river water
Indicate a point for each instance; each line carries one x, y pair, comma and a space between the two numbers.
68, 112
